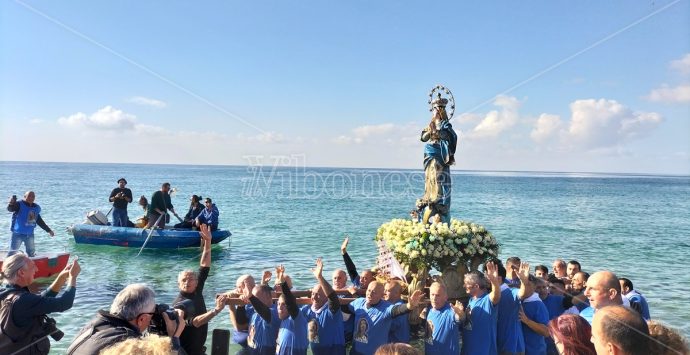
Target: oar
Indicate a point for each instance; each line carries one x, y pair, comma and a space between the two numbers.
150, 233
108, 214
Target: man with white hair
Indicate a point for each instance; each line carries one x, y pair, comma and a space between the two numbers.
130, 315
444, 321
191, 285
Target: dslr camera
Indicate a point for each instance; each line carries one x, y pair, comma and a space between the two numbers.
50, 328
157, 325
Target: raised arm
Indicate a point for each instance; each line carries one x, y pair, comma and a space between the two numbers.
526, 288
290, 301
333, 301
349, 264
492, 275
412, 303
205, 232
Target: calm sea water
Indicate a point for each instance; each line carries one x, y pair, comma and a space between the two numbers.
636, 226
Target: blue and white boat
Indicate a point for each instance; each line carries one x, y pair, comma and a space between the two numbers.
135, 237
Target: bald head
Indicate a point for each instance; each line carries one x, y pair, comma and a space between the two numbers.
620, 328
438, 295
603, 289
374, 293
392, 291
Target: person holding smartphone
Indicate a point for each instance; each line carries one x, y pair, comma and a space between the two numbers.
26, 214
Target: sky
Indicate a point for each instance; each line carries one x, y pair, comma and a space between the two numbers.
563, 86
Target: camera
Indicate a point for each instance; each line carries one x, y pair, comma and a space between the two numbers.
157, 325
50, 328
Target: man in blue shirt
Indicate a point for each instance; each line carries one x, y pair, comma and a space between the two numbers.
509, 337
400, 328
264, 324
443, 322
25, 216
292, 335
603, 289
325, 328
479, 333
373, 318
535, 318
637, 301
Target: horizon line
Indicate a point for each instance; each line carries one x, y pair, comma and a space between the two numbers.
366, 168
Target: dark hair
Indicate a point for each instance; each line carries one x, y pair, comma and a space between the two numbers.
196, 198
625, 328
626, 283
556, 280
208, 199
575, 262
513, 260
165, 184
574, 333
541, 268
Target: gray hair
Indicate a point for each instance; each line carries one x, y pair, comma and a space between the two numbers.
477, 278
132, 301
188, 271
11, 267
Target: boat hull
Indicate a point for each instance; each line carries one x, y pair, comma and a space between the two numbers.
135, 237
47, 264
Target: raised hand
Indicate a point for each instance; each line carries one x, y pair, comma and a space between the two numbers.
75, 269
343, 247
414, 299
266, 277
492, 273
280, 272
459, 309
318, 270
205, 232
523, 272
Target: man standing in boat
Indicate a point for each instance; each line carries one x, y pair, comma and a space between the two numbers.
120, 197
160, 204
25, 216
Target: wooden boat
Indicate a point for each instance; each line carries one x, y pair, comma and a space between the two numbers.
135, 237
47, 264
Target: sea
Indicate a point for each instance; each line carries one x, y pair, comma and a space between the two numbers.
637, 226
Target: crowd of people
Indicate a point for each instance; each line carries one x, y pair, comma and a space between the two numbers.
509, 309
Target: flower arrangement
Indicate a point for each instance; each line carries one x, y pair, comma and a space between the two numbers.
437, 245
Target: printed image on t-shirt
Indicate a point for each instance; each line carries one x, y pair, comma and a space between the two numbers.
361, 334
250, 337
313, 331
31, 218
430, 332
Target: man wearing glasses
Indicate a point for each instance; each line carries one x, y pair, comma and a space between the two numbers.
130, 315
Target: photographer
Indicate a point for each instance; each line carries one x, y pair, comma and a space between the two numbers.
191, 285
23, 322
120, 197
130, 315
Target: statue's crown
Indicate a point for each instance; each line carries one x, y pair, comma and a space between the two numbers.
439, 101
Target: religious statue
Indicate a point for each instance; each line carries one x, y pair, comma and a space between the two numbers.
439, 155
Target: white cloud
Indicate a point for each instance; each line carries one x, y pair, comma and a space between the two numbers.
36, 121
606, 123
678, 94
682, 65
107, 118
265, 137
495, 122
145, 101
546, 127
387, 133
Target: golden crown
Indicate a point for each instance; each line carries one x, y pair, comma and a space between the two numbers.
440, 101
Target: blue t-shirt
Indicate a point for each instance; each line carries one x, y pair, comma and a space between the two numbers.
26, 218
535, 343
509, 332
325, 331
371, 325
644, 307
479, 331
262, 335
292, 336
400, 329
442, 331
554, 305
587, 314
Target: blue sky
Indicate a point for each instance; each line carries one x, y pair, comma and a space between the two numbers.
585, 86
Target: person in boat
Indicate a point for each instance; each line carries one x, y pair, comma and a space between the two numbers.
143, 220
26, 214
195, 208
439, 155
120, 197
191, 285
23, 322
159, 207
129, 316
209, 215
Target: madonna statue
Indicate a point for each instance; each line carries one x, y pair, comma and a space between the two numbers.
439, 155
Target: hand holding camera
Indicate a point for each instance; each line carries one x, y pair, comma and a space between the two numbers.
13, 200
